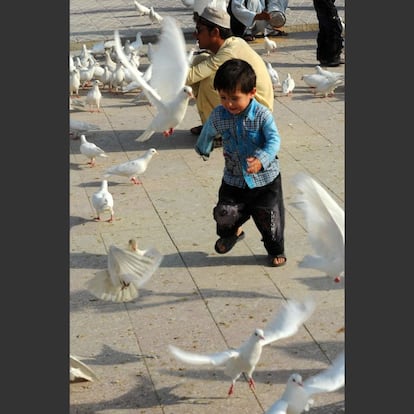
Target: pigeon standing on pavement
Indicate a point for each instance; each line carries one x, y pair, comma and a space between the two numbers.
313, 79
79, 371
167, 92
269, 45
329, 73
288, 85
154, 16
327, 87
93, 97
127, 271
325, 222
244, 359
90, 150
103, 201
297, 395
274, 76
141, 9
77, 127
131, 169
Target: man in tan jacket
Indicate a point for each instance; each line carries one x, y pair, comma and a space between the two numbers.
213, 33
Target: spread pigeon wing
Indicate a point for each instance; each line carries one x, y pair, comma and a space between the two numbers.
131, 267
288, 320
328, 380
218, 358
170, 61
325, 221
169, 64
79, 370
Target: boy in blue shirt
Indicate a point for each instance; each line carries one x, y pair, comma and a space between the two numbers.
251, 184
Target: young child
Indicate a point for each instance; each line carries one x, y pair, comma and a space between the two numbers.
251, 184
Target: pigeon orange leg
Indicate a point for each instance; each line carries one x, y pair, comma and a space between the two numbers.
252, 385
135, 181
231, 389
168, 132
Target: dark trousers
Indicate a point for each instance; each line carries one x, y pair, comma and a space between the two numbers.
264, 204
329, 40
237, 27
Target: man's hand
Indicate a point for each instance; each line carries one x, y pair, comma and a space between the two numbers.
262, 16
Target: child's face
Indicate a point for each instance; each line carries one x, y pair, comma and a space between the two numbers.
237, 101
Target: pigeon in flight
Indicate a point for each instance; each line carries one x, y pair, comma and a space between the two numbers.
133, 168
78, 371
297, 395
325, 222
103, 201
167, 93
128, 270
90, 150
245, 358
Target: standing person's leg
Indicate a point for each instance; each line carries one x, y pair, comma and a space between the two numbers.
269, 217
329, 40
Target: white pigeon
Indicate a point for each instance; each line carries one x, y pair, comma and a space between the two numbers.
98, 48
168, 94
313, 79
127, 271
297, 395
244, 359
269, 45
103, 201
188, 3
141, 9
325, 222
274, 76
133, 168
137, 43
93, 97
327, 87
77, 127
74, 82
329, 73
288, 85
91, 151
79, 371
154, 16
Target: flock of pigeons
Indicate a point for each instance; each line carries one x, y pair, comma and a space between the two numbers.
129, 268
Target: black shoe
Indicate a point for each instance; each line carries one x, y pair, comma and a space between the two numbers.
333, 63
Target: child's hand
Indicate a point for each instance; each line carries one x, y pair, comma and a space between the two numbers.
254, 165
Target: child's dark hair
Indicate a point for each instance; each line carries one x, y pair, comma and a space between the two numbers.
235, 74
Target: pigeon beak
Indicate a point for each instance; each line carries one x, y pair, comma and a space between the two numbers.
262, 337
